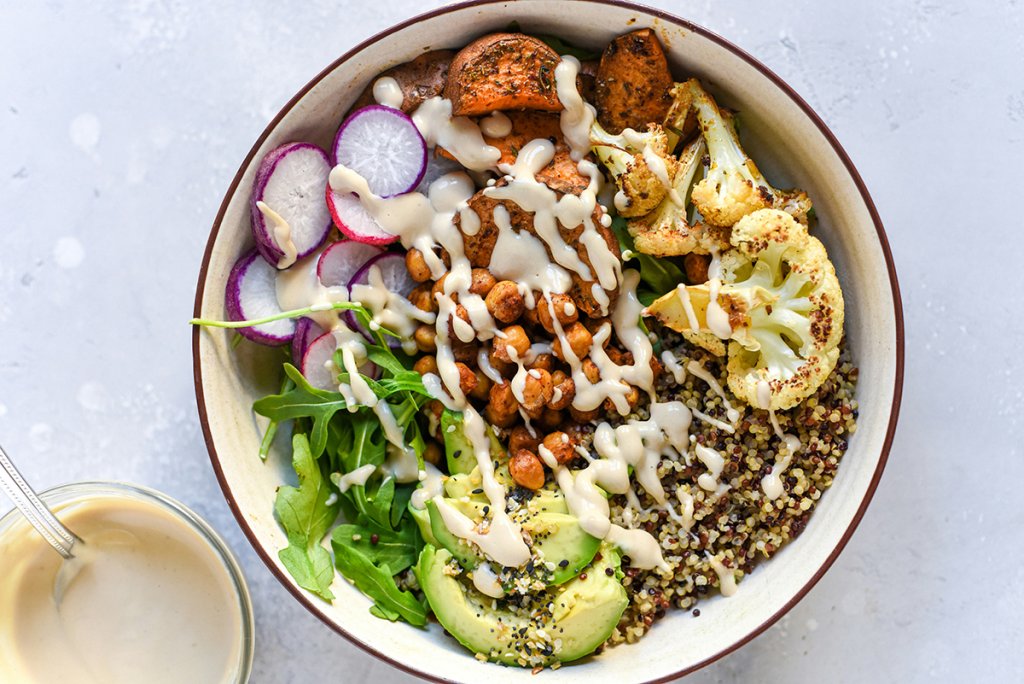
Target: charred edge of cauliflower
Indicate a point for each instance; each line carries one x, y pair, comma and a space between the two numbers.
733, 187
640, 165
793, 343
666, 231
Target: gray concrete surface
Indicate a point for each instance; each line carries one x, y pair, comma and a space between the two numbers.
121, 125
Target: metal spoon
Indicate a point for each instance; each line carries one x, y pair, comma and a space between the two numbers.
27, 501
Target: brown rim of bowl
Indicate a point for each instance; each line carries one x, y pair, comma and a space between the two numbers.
689, 26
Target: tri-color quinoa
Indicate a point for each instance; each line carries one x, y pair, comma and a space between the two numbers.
741, 527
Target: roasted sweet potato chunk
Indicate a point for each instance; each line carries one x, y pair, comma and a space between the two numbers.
503, 71
562, 173
420, 79
633, 82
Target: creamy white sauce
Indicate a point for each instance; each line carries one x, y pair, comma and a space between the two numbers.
715, 463
726, 577
458, 135
387, 92
282, 235
486, 581
401, 462
431, 485
577, 116
145, 599
717, 317
698, 370
771, 484
359, 476
672, 365
496, 125
686, 507
391, 310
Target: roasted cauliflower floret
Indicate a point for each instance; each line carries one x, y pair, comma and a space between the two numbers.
777, 300
639, 163
733, 186
666, 231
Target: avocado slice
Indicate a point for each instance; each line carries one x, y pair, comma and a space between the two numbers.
557, 538
458, 449
422, 518
584, 616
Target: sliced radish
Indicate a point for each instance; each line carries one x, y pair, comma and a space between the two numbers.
320, 369
354, 221
394, 278
306, 330
340, 262
289, 184
383, 146
252, 293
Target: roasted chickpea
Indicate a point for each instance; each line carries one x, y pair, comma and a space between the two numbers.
591, 370
584, 416
483, 386
526, 469
482, 282
561, 446
564, 308
696, 268
513, 336
632, 399
464, 352
438, 289
425, 364
543, 362
520, 438
620, 357
551, 419
564, 392
425, 337
454, 332
422, 299
505, 368
432, 453
416, 265
433, 410
530, 316
504, 301
502, 408
579, 338
467, 378
537, 390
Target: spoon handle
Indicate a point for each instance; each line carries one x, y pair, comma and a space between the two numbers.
26, 500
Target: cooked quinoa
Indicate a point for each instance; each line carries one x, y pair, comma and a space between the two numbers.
742, 526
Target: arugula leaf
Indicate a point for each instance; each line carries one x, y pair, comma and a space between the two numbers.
306, 517
378, 583
303, 401
396, 549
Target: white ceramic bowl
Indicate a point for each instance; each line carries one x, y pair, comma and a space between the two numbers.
792, 146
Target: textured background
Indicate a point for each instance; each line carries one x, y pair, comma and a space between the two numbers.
121, 125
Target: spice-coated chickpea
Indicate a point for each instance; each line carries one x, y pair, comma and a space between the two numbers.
561, 446
425, 364
483, 386
526, 469
416, 265
520, 438
513, 336
564, 392
422, 299
696, 268
551, 419
537, 390
482, 282
564, 309
425, 337
579, 338
504, 301
432, 453
543, 362
467, 378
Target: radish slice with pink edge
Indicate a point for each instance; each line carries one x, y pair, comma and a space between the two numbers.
341, 261
354, 221
394, 277
306, 330
383, 146
319, 368
252, 293
288, 219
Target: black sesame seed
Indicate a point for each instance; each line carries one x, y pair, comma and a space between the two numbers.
563, 563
